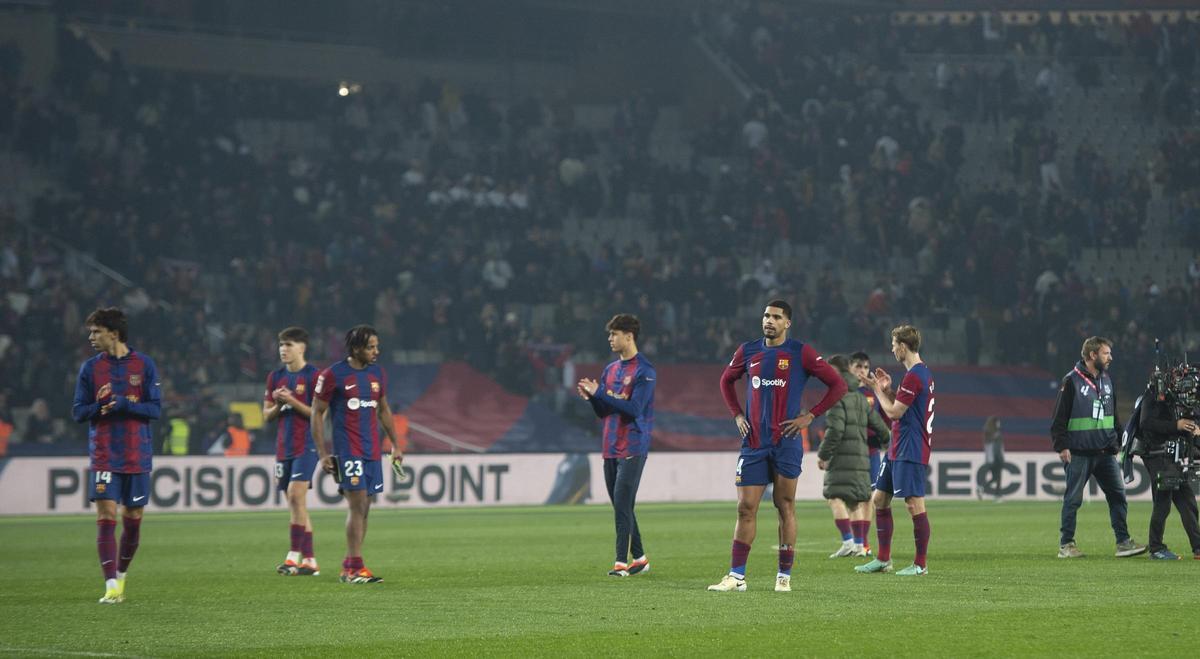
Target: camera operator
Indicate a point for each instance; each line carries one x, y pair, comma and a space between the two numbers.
1167, 418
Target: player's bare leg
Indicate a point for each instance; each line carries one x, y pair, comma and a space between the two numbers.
744, 531
784, 496
356, 521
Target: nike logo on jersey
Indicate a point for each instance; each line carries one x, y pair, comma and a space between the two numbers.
753, 364
379, 486
351, 386
298, 475
895, 491
137, 499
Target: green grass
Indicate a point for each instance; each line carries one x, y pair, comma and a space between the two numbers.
519, 581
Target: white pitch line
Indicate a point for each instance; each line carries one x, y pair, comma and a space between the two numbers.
63, 653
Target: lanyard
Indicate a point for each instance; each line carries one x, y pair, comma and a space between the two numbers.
1088, 380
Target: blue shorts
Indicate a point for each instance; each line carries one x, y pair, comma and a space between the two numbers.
359, 474
902, 479
299, 468
874, 458
129, 490
758, 466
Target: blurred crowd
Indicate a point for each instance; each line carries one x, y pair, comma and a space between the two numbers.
436, 213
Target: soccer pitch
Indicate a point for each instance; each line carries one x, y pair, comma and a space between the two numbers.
521, 581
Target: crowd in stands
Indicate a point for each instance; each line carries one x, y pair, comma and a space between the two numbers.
436, 214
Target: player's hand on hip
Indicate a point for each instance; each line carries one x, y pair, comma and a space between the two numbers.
743, 425
1065, 456
792, 427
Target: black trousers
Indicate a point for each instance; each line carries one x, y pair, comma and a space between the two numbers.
1185, 502
623, 476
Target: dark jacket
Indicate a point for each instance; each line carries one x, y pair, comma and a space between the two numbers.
1085, 442
1158, 421
848, 475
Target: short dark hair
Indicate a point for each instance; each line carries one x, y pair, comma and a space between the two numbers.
110, 318
625, 322
780, 304
860, 356
840, 363
358, 337
294, 334
909, 336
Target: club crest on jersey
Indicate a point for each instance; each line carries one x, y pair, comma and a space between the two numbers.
628, 379
299, 387
354, 481
135, 380
100, 488
783, 364
374, 387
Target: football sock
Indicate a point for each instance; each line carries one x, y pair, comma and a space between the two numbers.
737, 563
787, 556
106, 546
843, 525
921, 536
131, 535
859, 529
306, 548
883, 531
110, 584
354, 563
297, 536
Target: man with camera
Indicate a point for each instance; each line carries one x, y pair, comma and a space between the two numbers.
1169, 437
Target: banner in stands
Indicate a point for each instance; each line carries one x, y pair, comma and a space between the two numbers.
35, 486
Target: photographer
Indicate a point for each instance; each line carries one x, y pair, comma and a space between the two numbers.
1167, 420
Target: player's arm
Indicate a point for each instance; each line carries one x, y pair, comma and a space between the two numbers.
835, 385
85, 407
895, 406
639, 399
588, 390
320, 407
271, 408
319, 410
732, 373
835, 388
150, 405
389, 425
1062, 415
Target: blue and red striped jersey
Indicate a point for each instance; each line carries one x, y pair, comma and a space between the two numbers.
775, 384
354, 397
119, 441
912, 433
625, 401
293, 435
